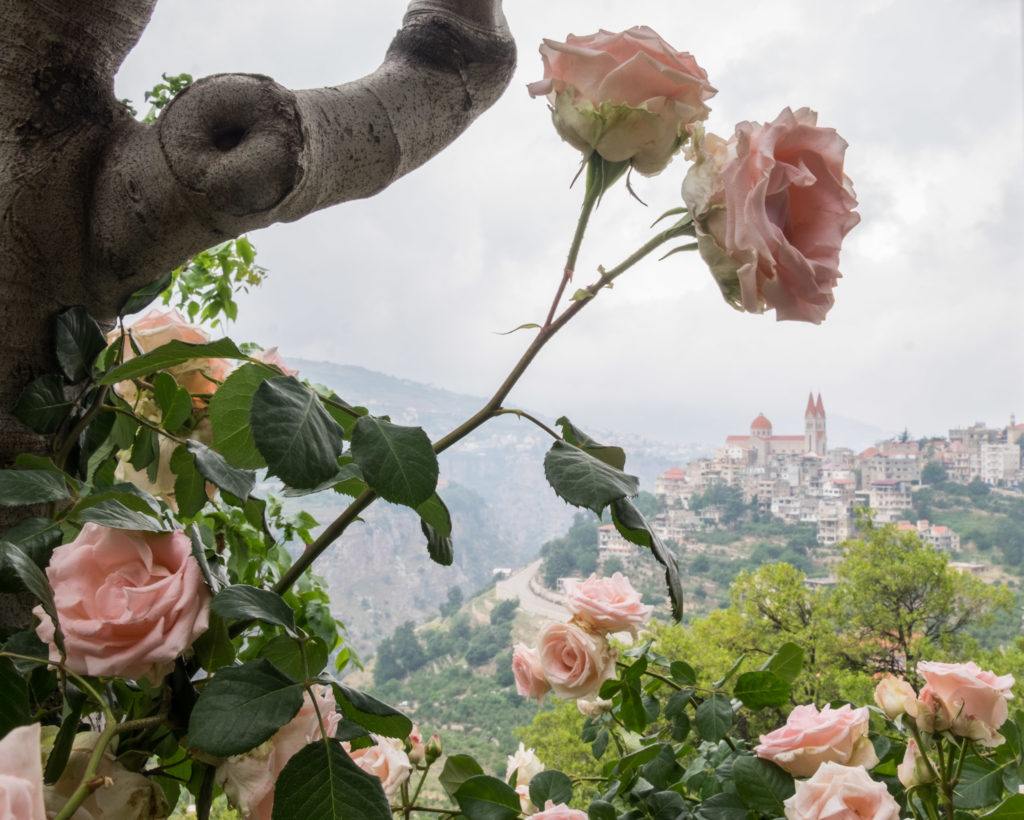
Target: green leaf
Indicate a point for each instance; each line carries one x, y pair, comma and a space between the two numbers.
189, 485
755, 690
215, 469
632, 525
714, 718
35, 581
14, 705
117, 511
584, 481
981, 784
550, 785
762, 785
723, 806
601, 810
43, 406
145, 295
241, 707
214, 648
397, 462
170, 355
524, 326
1012, 808
242, 602
631, 709
230, 409
439, 547
146, 449
79, 341
436, 523
321, 782
787, 662
295, 435
682, 672
613, 456
286, 653
482, 797
21, 487
457, 770
37, 537
370, 713
174, 402
64, 742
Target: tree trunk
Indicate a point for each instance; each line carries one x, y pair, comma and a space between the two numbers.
94, 205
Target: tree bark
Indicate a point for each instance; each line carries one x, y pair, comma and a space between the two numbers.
94, 205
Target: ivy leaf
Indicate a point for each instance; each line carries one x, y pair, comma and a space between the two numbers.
215, 469
761, 785
755, 690
321, 782
230, 409
21, 487
242, 602
241, 707
583, 480
295, 435
632, 525
43, 406
397, 462
370, 713
79, 341
170, 355
482, 797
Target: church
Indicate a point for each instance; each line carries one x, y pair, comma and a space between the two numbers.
765, 444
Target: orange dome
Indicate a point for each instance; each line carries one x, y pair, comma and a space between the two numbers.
760, 423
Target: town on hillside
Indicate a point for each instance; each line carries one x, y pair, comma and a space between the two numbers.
798, 479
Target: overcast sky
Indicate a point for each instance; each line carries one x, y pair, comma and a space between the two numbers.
927, 327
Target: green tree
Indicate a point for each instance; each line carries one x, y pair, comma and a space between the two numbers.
454, 602
934, 473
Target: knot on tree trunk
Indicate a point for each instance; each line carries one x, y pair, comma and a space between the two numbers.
236, 140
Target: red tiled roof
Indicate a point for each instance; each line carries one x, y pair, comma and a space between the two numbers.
760, 423
871, 452
737, 438
810, 410
673, 474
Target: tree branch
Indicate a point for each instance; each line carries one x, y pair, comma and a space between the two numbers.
235, 152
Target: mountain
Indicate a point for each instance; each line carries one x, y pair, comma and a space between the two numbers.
493, 482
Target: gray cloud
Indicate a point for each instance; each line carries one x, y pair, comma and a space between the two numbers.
415, 282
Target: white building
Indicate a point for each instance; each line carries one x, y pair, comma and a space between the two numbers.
999, 462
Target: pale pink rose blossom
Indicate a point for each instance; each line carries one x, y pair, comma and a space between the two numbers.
771, 207
156, 328
607, 604
575, 662
386, 760
128, 602
414, 746
972, 700
913, 770
525, 804
21, 774
838, 792
525, 765
272, 357
627, 95
124, 795
559, 812
896, 697
528, 674
811, 738
248, 780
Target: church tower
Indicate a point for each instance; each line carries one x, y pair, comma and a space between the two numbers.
815, 436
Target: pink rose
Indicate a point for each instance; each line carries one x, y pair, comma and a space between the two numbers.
155, 329
575, 662
272, 357
414, 746
527, 671
248, 780
628, 96
841, 793
896, 697
607, 604
129, 603
559, 812
971, 700
771, 207
21, 774
913, 771
811, 738
386, 761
